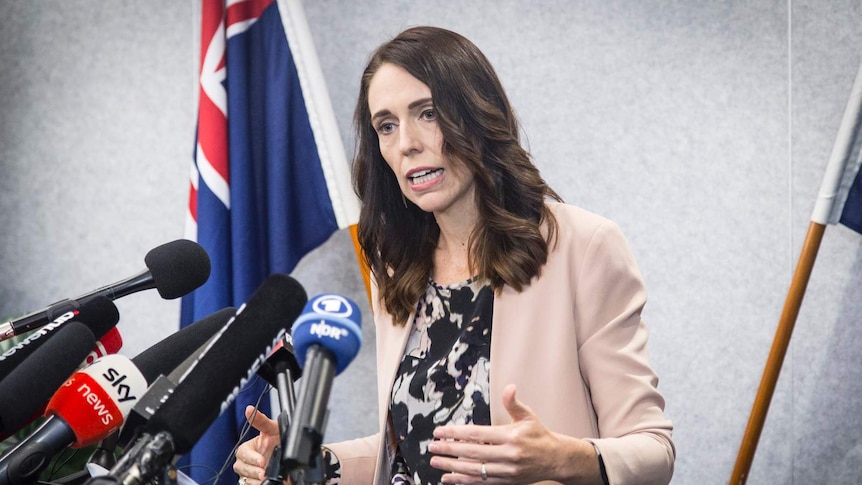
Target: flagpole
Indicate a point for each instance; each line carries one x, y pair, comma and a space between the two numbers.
360, 258
776, 354
840, 172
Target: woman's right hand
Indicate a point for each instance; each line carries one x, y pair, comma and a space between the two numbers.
252, 456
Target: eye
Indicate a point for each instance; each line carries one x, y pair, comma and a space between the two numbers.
429, 114
384, 128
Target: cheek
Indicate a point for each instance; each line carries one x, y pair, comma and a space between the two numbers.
389, 156
392, 169
437, 139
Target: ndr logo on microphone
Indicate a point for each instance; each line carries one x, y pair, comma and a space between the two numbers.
330, 306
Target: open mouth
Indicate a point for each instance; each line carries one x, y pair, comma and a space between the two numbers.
424, 176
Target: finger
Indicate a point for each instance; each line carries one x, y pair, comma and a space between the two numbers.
460, 471
250, 481
457, 478
462, 449
250, 457
261, 421
247, 469
517, 410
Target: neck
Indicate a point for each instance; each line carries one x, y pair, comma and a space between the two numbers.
451, 257
455, 230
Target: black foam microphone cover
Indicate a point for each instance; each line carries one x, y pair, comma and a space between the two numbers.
163, 357
28, 388
99, 314
229, 361
174, 280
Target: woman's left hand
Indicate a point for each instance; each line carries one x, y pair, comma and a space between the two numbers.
524, 451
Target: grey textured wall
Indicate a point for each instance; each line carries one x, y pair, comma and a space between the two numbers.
702, 128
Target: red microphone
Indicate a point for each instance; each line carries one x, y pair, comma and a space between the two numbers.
110, 343
87, 408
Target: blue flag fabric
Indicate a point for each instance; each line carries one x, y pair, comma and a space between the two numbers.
840, 197
851, 214
278, 208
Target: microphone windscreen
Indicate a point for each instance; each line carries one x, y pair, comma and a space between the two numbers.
26, 389
95, 401
99, 314
163, 357
178, 267
333, 322
229, 360
109, 344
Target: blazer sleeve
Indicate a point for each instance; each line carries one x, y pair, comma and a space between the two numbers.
634, 435
357, 459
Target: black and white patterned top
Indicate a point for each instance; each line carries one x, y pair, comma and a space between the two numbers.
443, 377
444, 374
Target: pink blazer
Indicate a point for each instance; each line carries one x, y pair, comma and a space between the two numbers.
573, 343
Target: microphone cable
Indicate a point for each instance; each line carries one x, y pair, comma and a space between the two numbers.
246, 428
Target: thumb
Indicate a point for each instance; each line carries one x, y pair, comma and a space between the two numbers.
516, 409
261, 421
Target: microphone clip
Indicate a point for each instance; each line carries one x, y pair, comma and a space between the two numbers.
148, 461
278, 467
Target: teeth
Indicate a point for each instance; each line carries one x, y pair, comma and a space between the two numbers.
425, 176
419, 174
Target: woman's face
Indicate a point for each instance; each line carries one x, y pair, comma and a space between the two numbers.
404, 117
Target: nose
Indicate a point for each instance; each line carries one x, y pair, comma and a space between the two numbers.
408, 140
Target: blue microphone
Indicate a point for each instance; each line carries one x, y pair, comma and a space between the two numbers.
326, 338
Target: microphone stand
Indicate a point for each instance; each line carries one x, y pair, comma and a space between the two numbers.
104, 454
301, 445
275, 472
148, 461
278, 468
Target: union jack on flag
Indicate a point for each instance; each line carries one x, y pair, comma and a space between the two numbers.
270, 179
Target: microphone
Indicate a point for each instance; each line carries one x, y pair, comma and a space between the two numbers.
212, 381
90, 405
26, 390
167, 357
326, 337
281, 359
99, 314
154, 363
108, 344
174, 269
280, 370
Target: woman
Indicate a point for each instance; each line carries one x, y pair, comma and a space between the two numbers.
510, 346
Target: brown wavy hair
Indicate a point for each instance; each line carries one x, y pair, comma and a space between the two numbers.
480, 130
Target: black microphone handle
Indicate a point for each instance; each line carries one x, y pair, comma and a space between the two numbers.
275, 472
23, 463
307, 425
286, 397
133, 284
36, 319
141, 281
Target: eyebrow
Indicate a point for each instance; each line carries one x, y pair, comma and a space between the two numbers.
410, 107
